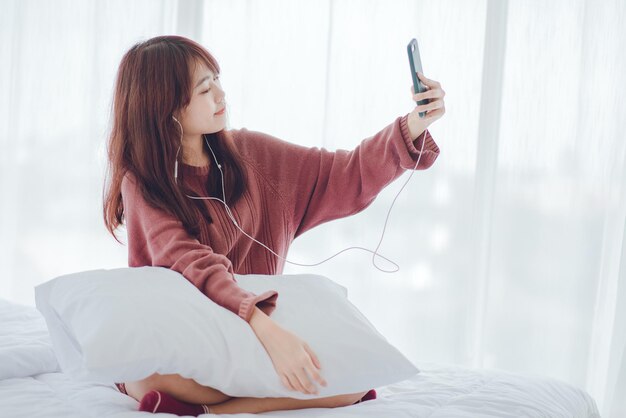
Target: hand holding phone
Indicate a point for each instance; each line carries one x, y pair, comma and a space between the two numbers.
432, 106
416, 65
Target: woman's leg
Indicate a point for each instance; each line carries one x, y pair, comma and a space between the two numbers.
257, 405
186, 390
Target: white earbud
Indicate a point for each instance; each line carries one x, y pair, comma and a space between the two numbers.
219, 166
176, 158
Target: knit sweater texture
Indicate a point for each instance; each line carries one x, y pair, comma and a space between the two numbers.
291, 189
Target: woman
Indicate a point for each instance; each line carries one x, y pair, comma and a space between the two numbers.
168, 144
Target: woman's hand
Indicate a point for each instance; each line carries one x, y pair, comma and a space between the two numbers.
434, 109
291, 356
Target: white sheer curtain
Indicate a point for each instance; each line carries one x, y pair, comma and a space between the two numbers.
511, 247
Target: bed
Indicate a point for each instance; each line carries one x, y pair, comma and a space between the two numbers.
32, 385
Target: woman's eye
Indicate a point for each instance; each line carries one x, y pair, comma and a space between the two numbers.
216, 78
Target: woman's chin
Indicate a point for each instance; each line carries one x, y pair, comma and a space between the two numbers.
214, 129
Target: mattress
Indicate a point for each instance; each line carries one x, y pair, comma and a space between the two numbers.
32, 385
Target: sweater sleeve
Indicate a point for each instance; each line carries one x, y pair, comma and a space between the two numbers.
157, 238
318, 185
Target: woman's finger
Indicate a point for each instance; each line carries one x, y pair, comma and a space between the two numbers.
430, 106
313, 356
435, 114
286, 383
295, 383
428, 81
300, 381
429, 94
413, 89
314, 365
290, 384
424, 80
308, 386
316, 376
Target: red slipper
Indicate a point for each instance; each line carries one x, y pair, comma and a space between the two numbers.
371, 394
122, 388
156, 401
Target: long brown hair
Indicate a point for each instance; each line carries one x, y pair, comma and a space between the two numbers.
154, 80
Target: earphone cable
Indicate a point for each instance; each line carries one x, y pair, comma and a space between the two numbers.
374, 253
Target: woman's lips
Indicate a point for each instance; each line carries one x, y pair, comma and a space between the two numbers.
221, 112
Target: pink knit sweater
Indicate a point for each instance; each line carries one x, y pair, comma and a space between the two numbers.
291, 189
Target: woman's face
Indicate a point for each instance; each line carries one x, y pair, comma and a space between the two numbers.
207, 98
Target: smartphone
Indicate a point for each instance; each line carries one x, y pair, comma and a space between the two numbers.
416, 65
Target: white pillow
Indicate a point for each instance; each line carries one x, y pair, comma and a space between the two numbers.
25, 346
125, 324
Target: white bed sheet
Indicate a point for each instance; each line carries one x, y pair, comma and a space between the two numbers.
31, 385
